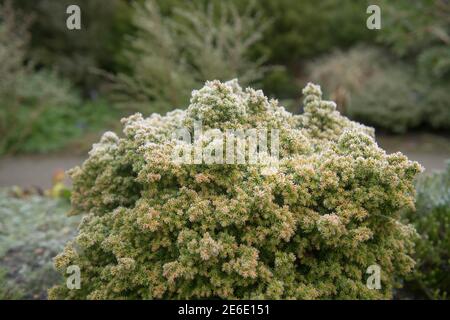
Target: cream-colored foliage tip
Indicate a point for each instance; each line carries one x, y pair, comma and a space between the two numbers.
153, 228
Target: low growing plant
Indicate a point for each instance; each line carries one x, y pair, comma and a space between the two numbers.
305, 228
431, 278
33, 229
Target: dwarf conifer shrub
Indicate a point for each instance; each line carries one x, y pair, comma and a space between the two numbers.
306, 229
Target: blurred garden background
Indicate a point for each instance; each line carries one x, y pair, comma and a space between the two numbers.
61, 89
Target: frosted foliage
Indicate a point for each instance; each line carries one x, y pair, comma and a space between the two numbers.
152, 228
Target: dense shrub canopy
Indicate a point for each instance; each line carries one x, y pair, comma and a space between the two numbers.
153, 228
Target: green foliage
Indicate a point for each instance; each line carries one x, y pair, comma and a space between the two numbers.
36, 120
419, 30
77, 54
33, 230
36, 107
388, 101
303, 29
432, 221
7, 291
382, 92
39, 111
279, 84
306, 229
371, 87
437, 106
300, 29
172, 54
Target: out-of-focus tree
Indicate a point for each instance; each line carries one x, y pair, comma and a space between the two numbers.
36, 107
372, 86
170, 55
76, 53
303, 29
419, 30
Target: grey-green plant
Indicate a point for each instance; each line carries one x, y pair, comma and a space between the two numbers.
33, 229
373, 87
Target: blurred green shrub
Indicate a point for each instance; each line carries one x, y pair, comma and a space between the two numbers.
36, 107
343, 73
76, 54
388, 101
303, 29
437, 106
372, 87
172, 54
419, 30
34, 118
33, 230
432, 221
39, 110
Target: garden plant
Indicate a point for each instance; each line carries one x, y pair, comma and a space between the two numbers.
308, 227
431, 279
34, 228
219, 188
